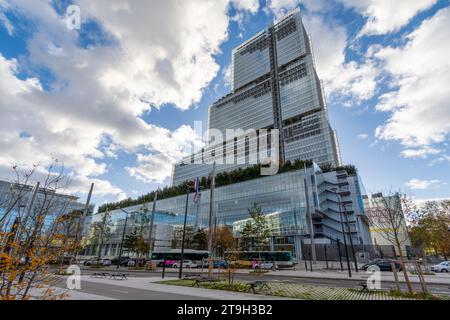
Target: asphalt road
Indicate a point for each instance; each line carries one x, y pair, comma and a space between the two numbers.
441, 289
127, 293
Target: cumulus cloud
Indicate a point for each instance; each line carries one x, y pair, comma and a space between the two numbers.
386, 16
418, 105
102, 188
90, 106
157, 167
420, 153
281, 7
363, 136
347, 81
417, 184
251, 6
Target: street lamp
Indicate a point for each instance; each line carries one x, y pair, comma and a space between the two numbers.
351, 240
334, 191
123, 236
188, 188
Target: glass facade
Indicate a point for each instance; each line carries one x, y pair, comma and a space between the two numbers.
15, 198
282, 199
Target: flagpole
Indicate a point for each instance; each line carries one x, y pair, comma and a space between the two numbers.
309, 215
151, 244
210, 222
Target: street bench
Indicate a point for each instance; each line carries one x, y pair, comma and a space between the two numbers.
200, 280
363, 285
121, 276
103, 275
257, 286
191, 276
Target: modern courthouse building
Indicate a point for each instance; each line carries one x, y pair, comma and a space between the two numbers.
275, 87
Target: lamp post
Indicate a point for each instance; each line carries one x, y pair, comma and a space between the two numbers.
351, 240
123, 236
188, 188
334, 191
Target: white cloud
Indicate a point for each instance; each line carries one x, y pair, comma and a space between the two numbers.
152, 168
161, 52
157, 167
343, 80
6, 23
363, 136
281, 7
420, 153
386, 16
102, 188
417, 184
226, 72
443, 158
421, 202
167, 47
251, 6
350, 82
419, 105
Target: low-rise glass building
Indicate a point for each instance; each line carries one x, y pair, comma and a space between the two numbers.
284, 201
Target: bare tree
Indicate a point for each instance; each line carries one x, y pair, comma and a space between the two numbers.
33, 232
102, 230
387, 215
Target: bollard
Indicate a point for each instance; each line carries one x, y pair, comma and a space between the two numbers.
164, 268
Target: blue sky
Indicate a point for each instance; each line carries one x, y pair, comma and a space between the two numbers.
116, 100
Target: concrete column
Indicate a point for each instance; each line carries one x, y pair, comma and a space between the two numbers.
298, 247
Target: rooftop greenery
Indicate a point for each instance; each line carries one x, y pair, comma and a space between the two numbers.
222, 179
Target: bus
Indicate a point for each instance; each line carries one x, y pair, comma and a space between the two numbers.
248, 259
174, 255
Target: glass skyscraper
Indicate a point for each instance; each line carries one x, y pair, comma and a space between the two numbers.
274, 86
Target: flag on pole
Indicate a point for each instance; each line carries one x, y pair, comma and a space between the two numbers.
196, 189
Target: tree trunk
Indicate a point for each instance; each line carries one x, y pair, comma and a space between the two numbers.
100, 245
402, 262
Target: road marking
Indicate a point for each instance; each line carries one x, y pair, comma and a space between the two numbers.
120, 291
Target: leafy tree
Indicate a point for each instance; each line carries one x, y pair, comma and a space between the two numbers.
247, 241
200, 240
430, 228
136, 243
256, 232
223, 240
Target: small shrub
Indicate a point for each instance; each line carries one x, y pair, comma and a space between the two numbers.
416, 295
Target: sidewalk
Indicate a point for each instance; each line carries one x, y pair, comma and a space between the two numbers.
36, 294
438, 278
150, 283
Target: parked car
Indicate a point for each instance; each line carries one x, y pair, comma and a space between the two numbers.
97, 261
383, 264
169, 263
123, 261
444, 266
264, 265
186, 264
216, 263
106, 262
